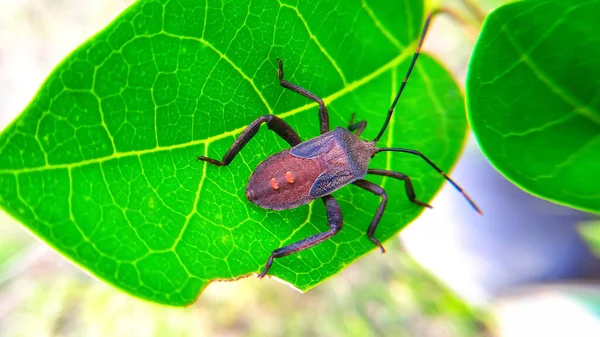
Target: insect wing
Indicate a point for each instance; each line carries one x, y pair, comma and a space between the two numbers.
331, 180
314, 147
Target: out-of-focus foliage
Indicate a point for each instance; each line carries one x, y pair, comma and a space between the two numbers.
533, 99
590, 231
381, 295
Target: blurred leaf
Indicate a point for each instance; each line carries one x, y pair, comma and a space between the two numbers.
101, 165
590, 231
533, 99
390, 296
13, 241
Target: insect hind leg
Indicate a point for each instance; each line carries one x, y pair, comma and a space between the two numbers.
334, 219
323, 113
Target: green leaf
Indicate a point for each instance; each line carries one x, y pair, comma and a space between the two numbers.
533, 99
590, 231
102, 164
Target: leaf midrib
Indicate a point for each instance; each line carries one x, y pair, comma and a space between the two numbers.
347, 89
578, 106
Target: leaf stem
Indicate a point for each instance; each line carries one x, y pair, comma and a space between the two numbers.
470, 26
478, 13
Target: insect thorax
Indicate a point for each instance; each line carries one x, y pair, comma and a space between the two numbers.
343, 156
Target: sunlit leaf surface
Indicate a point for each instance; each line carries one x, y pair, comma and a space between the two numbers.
102, 164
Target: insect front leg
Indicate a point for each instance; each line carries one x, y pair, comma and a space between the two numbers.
323, 113
334, 219
358, 126
283, 129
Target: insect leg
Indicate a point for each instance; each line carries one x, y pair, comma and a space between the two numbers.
283, 129
410, 192
417, 153
377, 190
323, 113
358, 126
334, 219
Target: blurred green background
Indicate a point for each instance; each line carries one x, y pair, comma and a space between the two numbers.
42, 294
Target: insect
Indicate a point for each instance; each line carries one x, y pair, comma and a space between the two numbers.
317, 167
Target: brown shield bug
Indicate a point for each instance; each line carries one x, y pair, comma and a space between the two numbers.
319, 166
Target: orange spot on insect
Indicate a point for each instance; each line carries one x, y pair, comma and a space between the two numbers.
289, 177
274, 184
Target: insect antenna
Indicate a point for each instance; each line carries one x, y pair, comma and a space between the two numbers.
410, 68
439, 170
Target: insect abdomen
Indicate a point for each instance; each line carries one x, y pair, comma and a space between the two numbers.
343, 156
283, 181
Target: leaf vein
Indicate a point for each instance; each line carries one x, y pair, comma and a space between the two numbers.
351, 87
578, 106
381, 27
314, 38
231, 63
194, 203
